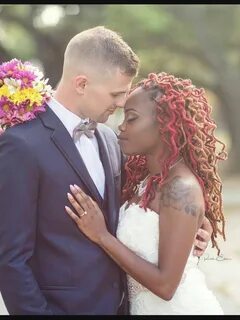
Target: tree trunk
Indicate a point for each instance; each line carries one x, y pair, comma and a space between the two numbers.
229, 94
211, 46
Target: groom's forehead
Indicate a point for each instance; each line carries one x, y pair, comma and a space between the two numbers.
120, 82
121, 90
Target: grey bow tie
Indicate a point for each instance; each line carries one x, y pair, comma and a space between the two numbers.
82, 128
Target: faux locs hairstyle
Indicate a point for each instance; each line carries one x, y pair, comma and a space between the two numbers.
185, 125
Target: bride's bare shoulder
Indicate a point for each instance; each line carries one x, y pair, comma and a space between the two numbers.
181, 186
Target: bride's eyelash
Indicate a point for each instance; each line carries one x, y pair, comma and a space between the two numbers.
131, 119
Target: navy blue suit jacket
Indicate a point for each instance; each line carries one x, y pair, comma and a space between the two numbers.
47, 266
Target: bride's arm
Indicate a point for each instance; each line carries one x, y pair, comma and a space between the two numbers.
180, 209
181, 213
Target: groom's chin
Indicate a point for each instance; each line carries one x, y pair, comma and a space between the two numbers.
103, 119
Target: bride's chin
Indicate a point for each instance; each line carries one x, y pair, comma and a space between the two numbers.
128, 152
126, 149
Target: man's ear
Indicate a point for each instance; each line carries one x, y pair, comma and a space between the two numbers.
80, 83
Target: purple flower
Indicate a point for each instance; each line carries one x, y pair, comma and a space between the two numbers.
5, 106
26, 77
8, 68
17, 76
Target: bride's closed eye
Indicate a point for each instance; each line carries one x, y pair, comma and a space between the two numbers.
130, 115
131, 119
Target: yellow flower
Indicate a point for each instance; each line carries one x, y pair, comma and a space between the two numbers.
29, 93
39, 86
4, 91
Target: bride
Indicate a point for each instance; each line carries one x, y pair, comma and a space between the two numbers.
172, 183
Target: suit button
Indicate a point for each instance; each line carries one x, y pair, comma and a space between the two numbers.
115, 285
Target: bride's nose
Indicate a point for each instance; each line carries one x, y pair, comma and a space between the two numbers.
122, 126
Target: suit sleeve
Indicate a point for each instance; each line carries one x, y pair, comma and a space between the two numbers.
123, 171
19, 177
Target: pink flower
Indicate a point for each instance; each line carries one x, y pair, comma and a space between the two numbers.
5, 106
28, 91
26, 77
7, 68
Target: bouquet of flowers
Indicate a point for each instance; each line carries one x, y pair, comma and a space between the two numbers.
23, 92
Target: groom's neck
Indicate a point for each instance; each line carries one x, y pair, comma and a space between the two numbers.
64, 95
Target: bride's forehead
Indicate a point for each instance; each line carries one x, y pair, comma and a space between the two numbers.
139, 98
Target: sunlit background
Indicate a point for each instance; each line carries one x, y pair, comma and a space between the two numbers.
200, 42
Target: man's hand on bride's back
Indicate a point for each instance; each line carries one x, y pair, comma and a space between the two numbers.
203, 237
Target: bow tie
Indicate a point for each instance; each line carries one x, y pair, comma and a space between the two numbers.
84, 128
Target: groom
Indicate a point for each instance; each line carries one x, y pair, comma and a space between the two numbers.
46, 266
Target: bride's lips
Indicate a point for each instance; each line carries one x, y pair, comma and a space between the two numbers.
122, 138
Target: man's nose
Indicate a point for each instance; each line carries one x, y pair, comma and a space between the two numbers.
121, 102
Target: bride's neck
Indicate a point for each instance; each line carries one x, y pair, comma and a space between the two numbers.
155, 162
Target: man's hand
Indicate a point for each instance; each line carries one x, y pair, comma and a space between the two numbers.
203, 237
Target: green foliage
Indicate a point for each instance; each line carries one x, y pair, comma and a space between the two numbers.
200, 42
16, 38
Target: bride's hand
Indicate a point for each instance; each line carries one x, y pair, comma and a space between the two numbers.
203, 237
89, 217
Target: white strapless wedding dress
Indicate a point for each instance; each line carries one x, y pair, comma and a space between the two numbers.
139, 231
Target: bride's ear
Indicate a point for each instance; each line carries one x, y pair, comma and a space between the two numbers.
80, 83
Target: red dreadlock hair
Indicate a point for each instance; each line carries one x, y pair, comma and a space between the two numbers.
186, 127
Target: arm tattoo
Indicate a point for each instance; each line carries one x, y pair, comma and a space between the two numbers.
177, 195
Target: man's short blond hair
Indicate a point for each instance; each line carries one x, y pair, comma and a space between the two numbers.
102, 48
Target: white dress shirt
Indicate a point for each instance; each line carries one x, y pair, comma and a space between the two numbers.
87, 147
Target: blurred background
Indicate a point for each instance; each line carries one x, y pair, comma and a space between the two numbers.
200, 42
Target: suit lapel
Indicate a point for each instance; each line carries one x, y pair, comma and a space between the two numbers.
63, 141
110, 192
